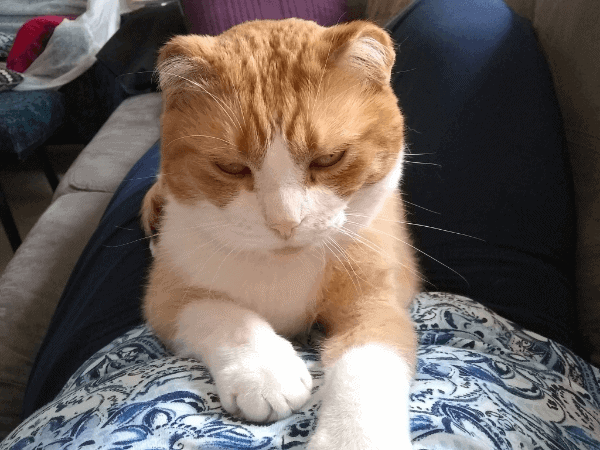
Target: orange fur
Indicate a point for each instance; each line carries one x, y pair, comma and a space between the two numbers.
167, 294
366, 299
261, 76
151, 209
325, 90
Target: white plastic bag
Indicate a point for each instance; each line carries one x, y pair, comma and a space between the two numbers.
73, 46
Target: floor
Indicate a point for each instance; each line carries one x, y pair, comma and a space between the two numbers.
29, 193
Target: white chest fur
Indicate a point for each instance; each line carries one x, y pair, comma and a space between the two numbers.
282, 289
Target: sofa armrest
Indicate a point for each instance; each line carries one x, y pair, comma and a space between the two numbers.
127, 134
31, 287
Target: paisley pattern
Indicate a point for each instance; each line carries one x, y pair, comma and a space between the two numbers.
482, 383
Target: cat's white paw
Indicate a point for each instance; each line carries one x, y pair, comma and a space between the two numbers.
335, 435
364, 402
264, 383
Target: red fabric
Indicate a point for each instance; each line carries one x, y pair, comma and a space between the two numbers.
31, 40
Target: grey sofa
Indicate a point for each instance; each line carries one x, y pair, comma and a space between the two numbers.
30, 287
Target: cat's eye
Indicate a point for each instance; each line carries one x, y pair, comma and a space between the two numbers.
234, 168
327, 160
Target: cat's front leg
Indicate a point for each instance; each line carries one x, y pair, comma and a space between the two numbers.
365, 401
258, 374
369, 359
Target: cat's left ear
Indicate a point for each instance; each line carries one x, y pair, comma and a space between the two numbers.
364, 48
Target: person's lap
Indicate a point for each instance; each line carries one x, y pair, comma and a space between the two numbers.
478, 101
479, 104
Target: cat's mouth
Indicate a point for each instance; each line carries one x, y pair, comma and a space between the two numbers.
289, 250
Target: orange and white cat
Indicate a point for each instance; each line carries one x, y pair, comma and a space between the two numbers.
276, 205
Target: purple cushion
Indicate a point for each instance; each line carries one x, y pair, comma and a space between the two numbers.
215, 16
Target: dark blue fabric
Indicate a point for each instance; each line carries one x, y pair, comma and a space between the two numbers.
27, 120
478, 97
479, 102
102, 297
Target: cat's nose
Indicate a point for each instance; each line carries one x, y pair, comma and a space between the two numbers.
285, 227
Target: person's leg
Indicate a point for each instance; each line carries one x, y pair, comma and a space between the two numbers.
489, 158
102, 299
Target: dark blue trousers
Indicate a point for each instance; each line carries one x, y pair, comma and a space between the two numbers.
488, 157
490, 160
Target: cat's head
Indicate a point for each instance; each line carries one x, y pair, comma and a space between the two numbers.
273, 131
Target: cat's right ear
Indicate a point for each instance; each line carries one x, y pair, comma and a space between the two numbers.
184, 62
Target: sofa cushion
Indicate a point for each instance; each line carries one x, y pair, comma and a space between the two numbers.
31, 286
121, 141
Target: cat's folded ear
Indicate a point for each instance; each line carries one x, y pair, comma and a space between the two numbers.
363, 48
152, 208
184, 62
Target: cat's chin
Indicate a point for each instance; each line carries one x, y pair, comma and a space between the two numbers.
287, 251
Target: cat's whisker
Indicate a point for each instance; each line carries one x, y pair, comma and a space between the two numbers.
349, 259
201, 135
414, 204
334, 99
128, 243
413, 130
398, 195
319, 88
237, 96
204, 227
303, 260
313, 252
423, 163
141, 178
318, 252
220, 102
362, 240
342, 263
220, 265
203, 265
413, 224
124, 228
422, 252
323, 252
195, 249
344, 253
172, 269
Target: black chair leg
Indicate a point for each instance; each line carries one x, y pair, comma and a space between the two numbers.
47, 166
8, 222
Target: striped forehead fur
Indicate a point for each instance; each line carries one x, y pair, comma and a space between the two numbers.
324, 89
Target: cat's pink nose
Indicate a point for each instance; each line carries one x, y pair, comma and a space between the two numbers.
285, 227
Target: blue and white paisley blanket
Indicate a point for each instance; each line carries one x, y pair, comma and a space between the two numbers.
482, 383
